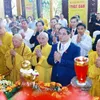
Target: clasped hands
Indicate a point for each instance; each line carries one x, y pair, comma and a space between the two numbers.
57, 56
38, 53
97, 62
0, 43
13, 52
78, 38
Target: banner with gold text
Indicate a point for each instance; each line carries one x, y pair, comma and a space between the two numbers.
78, 7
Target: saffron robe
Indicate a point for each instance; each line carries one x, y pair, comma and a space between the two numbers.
14, 63
94, 74
42, 65
6, 45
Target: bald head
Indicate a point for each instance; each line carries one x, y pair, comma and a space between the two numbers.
17, 40
98, 41
43, 34
98, 47
18, 36
42, 38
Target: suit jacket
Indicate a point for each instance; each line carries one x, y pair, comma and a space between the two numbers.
50, 37
95, 42
63, 71
74, 32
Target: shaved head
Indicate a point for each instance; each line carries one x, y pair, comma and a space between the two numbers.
98, 47
18, 36
17, 40
44, 34
98, 41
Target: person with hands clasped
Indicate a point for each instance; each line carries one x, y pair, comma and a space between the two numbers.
62, 58
15, 56
94, 70
39, 58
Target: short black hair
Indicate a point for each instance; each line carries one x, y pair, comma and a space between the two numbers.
67, 29
54, 19
81, 24
40, 21
24, 20
74, 17
57, 16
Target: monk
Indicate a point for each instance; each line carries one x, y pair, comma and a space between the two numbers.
94, 70
15, 56
39, 58
5, 45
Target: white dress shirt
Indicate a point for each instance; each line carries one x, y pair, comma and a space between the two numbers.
28, 34
63, 47
85, 44
63, 22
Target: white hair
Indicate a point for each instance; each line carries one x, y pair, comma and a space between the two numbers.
44, 34
18, 36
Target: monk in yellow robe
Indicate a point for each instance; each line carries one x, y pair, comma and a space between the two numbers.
15, 56
5, 45
45, 21
39, 58
94, 70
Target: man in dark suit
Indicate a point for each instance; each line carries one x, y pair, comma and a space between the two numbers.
53, 22
95, 42
62, 58
73, 24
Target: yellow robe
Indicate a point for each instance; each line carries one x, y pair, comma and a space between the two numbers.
42, 66
6, 45
14, 63
94, 74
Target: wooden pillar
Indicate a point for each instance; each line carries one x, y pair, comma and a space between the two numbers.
33, 5
65, 8
5, 6
51, 9
19, 10
23, 8
39, 7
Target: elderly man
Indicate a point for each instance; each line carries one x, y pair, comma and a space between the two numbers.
82, 40
5, 45
62, 58
15, 56
95, 42
94, 70
39, 58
